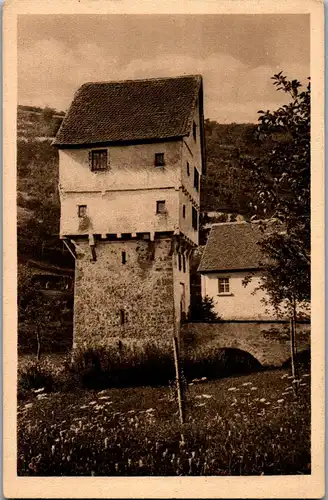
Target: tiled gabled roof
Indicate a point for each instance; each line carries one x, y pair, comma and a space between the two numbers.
131, 110
232, 246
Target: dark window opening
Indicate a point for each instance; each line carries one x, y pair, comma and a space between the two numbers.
123, 257
179, 261
188, 168
196, 179
99, 160
122, 316
184, 262
159, 160
194, 130
160, 207
184, 211
194, 219
82, 210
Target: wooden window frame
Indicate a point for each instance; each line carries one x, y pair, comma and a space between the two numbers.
224, 285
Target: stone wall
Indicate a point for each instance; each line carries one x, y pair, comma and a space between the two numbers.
266, 341
128, 301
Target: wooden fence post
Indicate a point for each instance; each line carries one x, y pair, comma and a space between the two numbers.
178, 379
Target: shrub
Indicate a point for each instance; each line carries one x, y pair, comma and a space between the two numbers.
35, 375
123, 365
201, 309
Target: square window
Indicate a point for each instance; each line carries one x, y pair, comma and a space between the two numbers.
188, 169
160, 207
184, 211
82, 210
99, 160
194, 219
224, 285
159, 160
196, 179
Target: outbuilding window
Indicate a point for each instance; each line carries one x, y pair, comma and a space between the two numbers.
99, 160
224, 285
159, 160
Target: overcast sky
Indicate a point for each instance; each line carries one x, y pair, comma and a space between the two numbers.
236, 54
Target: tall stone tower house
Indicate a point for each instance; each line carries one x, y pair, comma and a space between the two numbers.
131, 154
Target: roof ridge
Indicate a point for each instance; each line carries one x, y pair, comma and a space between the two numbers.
152, 79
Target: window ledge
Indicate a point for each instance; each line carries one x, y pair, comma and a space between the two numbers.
226, 294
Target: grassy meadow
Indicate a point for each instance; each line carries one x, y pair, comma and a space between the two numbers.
253, 424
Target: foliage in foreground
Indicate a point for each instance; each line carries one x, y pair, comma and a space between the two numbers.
125, 365
282, 196
250, 425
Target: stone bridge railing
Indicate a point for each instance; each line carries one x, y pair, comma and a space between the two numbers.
267, 342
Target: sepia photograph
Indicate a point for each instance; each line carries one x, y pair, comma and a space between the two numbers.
163, 206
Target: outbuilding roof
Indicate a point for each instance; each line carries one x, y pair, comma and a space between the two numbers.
232, 246
131, 110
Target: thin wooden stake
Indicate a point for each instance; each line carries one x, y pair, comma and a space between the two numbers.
178, 380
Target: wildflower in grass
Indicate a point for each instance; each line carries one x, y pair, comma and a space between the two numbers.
92, 402
247, 383
262, 400
232, 389
207, 396
83, 407
280, 400
150, 410
104, 397
37, 391
29, 405
268, 403
253, 388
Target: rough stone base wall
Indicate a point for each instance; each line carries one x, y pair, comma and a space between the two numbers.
128, 302
267, 342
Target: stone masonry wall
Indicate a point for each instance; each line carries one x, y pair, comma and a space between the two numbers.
267, 342
130, 301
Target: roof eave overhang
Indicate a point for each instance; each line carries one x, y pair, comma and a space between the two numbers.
232, 270
116, 143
